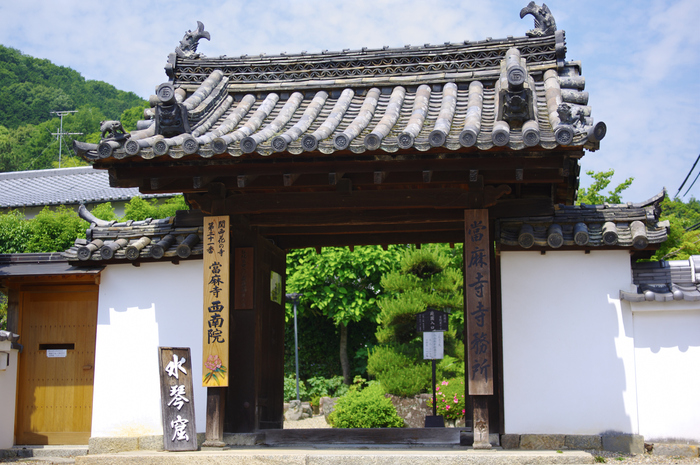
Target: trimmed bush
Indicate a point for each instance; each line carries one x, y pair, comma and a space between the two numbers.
365, 409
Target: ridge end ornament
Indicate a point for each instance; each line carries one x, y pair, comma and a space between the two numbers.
544, 20
190, 41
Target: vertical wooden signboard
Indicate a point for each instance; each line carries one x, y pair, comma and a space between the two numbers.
477, 296
216, 301
177, 399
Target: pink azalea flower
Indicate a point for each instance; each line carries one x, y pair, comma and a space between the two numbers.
445, 383
463, 411
447, 407
213, 362
456, 400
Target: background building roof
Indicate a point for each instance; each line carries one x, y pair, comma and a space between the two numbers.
63, 186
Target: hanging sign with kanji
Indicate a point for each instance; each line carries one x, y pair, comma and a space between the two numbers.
477, 297
177, 399
216, 301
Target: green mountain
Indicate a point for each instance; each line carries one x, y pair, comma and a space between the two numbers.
31, 88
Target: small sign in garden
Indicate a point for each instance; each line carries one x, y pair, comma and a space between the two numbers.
432, 323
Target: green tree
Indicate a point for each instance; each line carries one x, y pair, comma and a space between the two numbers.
426, 277
592, 195
15, 232
339, 284
684, 234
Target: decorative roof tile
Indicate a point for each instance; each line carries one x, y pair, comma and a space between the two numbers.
63, 186
174, 238
625, 226
665, 281
514, 93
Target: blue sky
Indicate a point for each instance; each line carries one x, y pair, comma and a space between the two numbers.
641, 59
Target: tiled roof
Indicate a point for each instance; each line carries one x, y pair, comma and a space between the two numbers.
513, 93
8, 336
64, 186
628, 225
174, 238
665, 281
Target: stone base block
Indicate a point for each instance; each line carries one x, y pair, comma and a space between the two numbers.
584, 442
625, 443
510, 441
100, 445
675, 450
542, 441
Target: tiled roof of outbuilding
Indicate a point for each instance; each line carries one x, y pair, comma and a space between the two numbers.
514, 93
628, 225
63, 186
173, 238
665, 281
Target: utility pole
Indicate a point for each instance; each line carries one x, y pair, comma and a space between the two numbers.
59, 135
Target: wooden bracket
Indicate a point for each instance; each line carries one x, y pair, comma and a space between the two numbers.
334, 177
379, 177
244, 180
427, 176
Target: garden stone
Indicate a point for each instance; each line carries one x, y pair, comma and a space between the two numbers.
296, 412
326, 405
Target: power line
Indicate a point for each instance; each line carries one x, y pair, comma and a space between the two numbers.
686, 178
59, 135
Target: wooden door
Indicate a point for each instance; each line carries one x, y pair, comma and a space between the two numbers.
58, 325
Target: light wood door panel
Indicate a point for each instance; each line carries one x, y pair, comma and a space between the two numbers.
55, 393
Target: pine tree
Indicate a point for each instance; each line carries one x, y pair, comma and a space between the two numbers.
427, 277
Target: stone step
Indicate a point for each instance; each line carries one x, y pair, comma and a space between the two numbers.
44, 451
357, 456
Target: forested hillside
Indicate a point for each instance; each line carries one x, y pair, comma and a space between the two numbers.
31, 88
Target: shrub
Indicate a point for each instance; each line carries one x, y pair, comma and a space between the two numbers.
15, 231
290, 389
450, 398
321, 387
397, 372
365, 409
55, 230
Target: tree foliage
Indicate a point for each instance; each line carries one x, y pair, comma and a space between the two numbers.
30, 89
593, 194
684, 235
339, 285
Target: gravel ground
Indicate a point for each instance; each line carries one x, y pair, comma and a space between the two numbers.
318, 421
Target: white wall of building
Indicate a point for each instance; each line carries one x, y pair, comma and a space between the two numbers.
568, 343
8, 394
140, 309
667, 355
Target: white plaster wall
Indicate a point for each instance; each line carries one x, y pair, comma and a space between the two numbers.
667, 354
8, 396
568, 364
140, 309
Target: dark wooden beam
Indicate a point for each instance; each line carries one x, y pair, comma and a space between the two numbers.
289, 178
360, 229
353, 217
390, 199
343, 240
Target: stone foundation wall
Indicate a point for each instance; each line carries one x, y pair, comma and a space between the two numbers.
625, 443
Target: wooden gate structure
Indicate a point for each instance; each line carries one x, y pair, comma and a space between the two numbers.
382, 146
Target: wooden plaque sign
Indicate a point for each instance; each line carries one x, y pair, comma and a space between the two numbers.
477, 299
431, 320
177, 399
216, 301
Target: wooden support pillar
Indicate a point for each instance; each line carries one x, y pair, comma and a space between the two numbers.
477, 307
216, 406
